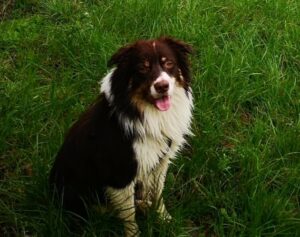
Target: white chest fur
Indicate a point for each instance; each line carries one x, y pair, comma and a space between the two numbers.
162, 133
157, 128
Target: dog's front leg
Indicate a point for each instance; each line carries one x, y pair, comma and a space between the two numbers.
158, 177
123, 202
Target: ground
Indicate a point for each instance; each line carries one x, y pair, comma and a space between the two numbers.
240, 175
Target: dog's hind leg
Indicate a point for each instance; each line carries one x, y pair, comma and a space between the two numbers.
123, 202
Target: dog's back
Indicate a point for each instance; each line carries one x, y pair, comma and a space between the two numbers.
125, 141
94, 155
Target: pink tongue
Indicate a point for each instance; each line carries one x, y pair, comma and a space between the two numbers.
163, 103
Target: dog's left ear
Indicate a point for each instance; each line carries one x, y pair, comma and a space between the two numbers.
178, 45
122, 55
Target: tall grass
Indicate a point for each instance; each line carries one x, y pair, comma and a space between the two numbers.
241, 174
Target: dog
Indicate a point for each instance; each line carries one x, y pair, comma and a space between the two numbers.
120, 148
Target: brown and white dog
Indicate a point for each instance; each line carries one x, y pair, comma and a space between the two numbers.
121, 147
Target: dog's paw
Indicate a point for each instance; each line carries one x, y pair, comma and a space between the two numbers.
143, 205
165, 216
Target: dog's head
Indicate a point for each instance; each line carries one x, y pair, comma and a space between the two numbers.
150, 70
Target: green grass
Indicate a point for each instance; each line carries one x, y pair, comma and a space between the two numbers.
241, 174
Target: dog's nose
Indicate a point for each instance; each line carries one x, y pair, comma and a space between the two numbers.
162, 86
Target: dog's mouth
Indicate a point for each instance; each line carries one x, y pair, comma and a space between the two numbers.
163, 103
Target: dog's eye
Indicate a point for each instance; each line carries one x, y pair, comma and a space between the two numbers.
168, 64
144, 66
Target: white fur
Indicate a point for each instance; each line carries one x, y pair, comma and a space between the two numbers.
123, 202
106, 86
157, 126
162, 77
152, 148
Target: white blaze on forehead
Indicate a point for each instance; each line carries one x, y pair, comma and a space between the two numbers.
163, 76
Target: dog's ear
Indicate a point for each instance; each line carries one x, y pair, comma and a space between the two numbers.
182, 51
178, 45
120, 56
